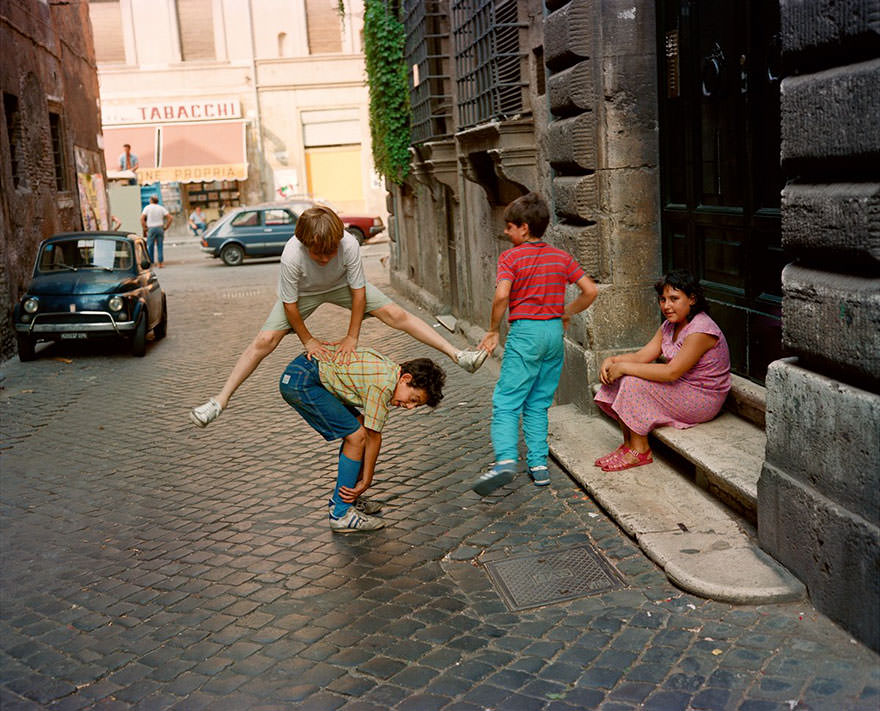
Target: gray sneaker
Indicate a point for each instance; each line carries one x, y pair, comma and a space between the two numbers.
500, 474
203, 415
470, 361
539, 475
368, 506
354, 521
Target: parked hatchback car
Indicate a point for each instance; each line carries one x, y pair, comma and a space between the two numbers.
91, 285
263, 230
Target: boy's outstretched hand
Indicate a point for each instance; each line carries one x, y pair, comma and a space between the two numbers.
489, 342
314, 348
345, 351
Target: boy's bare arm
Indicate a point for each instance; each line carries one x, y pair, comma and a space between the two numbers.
371, 455
499, 306
588, 294
312, 345
348, 344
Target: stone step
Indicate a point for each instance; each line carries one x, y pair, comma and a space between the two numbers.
702, 546
727, 455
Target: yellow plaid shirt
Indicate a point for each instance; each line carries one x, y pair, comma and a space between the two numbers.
367, 382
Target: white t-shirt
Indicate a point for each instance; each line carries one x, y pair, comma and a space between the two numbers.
300, 274
155, 215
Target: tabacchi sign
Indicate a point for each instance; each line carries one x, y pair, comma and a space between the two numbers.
167, 111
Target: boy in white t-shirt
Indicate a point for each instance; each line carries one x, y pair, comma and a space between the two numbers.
322, 264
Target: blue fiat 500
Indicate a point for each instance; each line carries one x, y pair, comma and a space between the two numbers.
91, 285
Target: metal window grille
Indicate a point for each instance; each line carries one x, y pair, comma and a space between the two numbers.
488, 60
57, 135
427, 40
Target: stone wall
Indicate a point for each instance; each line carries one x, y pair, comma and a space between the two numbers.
48, 65
818, 508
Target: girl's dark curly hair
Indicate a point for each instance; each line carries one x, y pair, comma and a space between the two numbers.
685, 282
427, 376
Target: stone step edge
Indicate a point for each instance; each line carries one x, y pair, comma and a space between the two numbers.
727, 454
700, 545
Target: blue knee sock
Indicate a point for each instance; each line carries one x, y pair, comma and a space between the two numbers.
349, 470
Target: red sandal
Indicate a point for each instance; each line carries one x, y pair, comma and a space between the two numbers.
628, 459
605, 458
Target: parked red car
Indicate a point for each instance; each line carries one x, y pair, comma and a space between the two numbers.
360, 226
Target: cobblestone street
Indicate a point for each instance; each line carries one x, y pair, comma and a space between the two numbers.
149, 564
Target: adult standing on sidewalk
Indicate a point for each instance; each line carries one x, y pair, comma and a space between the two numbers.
155, 219
129, 161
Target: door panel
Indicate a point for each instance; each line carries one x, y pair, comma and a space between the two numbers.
720, 174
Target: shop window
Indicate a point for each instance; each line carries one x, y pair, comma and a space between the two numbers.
324, 26
14, 135
58, 155
195, 22
106, 16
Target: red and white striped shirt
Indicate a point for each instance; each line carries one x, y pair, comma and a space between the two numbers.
538, 274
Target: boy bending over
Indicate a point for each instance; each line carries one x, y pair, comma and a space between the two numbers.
327, 392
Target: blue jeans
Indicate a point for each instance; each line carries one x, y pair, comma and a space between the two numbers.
529, 377
155, 238
301, 387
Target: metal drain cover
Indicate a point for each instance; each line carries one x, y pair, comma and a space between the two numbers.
552, 576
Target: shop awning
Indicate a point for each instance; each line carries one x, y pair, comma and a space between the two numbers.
187, 153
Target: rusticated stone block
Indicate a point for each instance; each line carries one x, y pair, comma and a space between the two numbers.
834, 553
576, 196
834, 222
576, 374
832, 319
570, 34
573, 90
581, 242
823, 433
824, 32
571, 143
829, 116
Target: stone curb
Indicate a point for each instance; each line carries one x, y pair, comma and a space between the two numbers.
701, 546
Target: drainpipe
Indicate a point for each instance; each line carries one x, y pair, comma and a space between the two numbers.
259, 121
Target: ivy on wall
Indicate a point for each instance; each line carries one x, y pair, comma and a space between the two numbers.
384, 41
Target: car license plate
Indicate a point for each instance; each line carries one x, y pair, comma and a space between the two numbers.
73, 335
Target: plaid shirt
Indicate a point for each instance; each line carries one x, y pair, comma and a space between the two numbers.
367, 382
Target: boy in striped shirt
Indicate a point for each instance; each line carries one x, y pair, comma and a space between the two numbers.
328, 391
531, 282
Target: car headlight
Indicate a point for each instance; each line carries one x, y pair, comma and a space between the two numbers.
114, 303
31, 305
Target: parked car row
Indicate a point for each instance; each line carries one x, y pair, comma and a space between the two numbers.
263, 230
89, 285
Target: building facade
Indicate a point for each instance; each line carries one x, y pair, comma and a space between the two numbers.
655, 132
227, 102
50, 145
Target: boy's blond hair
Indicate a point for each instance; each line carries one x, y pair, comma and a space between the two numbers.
319, 229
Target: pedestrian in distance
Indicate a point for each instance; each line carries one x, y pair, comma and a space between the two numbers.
688, 388
327, 391
321, 264
155, 219
197, 224
531, 282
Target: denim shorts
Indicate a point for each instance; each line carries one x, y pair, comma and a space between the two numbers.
341, 296
301, 387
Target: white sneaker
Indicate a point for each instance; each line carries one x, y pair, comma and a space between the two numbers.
471, 360
203, 415
354, 521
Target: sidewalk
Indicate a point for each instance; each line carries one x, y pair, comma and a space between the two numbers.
149, 564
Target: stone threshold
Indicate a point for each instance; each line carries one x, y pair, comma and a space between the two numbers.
702, 546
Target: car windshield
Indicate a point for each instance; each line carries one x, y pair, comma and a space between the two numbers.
85, 253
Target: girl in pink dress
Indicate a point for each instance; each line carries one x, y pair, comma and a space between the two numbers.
688, 388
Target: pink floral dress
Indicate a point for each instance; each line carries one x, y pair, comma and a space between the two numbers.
695, 397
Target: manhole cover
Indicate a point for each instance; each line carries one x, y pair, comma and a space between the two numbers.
552, 576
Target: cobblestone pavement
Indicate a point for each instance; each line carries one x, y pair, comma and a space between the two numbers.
149, 564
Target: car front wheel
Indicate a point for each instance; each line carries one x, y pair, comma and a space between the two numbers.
357, 233
139, 337
25, 347
232, 255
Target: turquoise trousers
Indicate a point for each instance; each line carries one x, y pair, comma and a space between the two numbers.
529, 377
